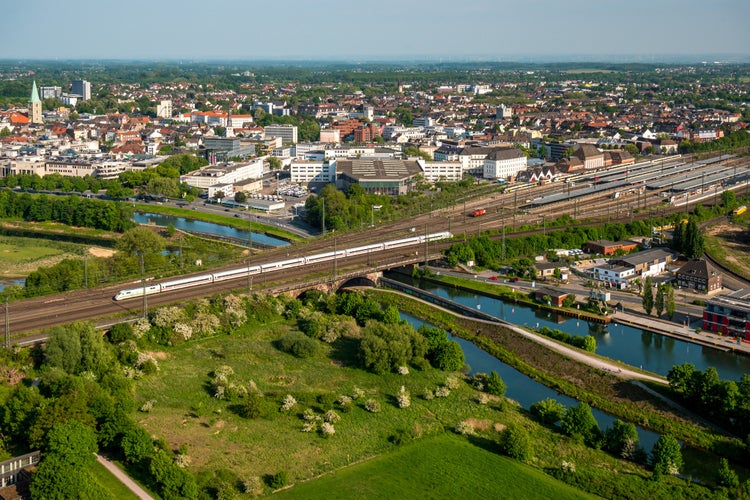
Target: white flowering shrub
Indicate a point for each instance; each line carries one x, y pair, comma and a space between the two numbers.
143, 358
182, 460
166, 317
331, 417
224, 371
219, 391
403, 398
141, 327
308, 414
568, 466
403, 370
372, 406
428, 395
253, 486
253, 387
184, 330
147, 406
482, 398
234, 307
357, 393
465, 428
327, 430
205, 323
288, 404
452, 382
442, 392
310, 426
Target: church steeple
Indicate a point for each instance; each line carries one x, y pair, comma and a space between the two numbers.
35, 106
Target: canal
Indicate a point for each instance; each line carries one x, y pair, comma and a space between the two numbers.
207, 227
649, 351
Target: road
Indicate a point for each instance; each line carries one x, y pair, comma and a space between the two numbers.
123, 478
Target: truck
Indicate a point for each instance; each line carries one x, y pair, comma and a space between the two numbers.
739, 210
478, 212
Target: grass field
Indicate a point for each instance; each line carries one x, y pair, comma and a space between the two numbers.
110, 483
185, 412
445, 466
20, 256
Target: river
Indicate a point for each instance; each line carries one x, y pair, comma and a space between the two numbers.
206, 227
650, 351
525, 390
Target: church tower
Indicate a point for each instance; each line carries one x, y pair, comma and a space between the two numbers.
35, 106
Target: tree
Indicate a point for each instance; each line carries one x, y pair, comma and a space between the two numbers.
669, 302
579, 422
589, 343
137, 445
74, 442
621, 439
694, 244
666, 457
728, 200
494, 384
274, 163
449, 356
140, 241
680, 378
659, 303
515, 442
725, 476
648, 296
63, 350
547, 411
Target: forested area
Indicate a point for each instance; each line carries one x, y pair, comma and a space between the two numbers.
68, 210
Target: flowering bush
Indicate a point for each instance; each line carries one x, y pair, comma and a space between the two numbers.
147, 406
327, 430
184, 330
403, 370
182, 460
331, 417
309, 414
289, 403
141, 327
465, 428
482, 398
442, 392
234, 307
428, 395
372, 406
166, 317
452, 382
403, 398
253, 485
357, 393
206, 323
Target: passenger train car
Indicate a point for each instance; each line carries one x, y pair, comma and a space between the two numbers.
241, 272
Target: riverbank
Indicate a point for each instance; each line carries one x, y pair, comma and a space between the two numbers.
608, 389
661, 326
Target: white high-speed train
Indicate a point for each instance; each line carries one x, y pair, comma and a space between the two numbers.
246, 271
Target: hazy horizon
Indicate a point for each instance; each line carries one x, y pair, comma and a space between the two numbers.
389, 31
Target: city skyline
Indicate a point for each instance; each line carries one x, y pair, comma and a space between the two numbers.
330, 30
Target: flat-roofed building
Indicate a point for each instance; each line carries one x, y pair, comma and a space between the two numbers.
224, 174
646, 263
287, 132
436, 171
312, 172
380, 176
729, 314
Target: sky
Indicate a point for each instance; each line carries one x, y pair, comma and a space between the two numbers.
357, 31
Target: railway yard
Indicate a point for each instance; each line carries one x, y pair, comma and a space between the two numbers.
641, 191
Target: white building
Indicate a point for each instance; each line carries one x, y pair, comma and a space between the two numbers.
330, 135
504, 163
224, 174
306, 172
288, 133
434, 171
613, 274
164, 109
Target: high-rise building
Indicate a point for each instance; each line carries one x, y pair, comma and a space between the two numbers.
35, 105
81, 88
287, 132
164, 109
50, 92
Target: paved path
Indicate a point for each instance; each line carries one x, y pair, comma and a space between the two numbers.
123, 478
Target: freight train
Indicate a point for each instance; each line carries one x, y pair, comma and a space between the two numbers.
246, 271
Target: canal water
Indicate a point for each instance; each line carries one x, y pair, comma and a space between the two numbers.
206, 227
650, 351
525, 390
5, 284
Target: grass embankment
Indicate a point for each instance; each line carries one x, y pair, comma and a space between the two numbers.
57, 232
186, 412
20, 256
730, 247
599, 389
444, 466
235, 222
109, 482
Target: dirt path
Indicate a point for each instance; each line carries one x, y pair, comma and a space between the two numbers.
123, 478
